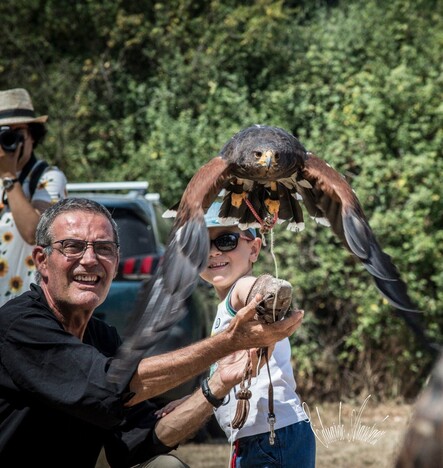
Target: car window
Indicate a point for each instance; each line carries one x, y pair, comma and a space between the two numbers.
136, 236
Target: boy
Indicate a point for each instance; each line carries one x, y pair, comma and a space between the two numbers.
231, 257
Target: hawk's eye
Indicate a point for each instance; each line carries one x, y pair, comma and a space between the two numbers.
277, 157
258, 154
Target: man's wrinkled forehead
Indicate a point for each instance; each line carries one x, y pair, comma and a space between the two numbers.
82, 223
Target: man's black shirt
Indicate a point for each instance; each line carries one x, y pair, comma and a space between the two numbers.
57, 408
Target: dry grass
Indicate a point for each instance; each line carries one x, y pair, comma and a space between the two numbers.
349, 442
339, 446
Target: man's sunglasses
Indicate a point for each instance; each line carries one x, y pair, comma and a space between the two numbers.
229, 241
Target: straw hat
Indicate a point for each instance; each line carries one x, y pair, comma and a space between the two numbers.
16, 108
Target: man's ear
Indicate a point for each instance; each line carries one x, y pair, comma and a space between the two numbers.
40, 258
255, 249
116, 267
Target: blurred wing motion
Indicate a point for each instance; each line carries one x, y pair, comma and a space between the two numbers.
160, 303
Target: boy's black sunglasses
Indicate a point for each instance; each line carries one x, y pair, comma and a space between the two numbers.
229, 241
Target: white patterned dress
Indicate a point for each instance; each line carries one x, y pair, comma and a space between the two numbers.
16, 265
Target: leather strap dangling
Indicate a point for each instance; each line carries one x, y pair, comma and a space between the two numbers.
271, 414
243, 396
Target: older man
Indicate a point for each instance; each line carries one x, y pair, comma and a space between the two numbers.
54, 357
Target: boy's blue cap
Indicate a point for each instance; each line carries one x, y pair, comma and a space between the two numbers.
212, 219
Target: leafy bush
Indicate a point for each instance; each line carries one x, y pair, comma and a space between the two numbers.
152, 90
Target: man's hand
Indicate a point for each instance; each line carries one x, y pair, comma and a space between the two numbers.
246, 332
231, 367
162, 412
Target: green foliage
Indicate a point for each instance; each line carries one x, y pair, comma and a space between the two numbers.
151, 90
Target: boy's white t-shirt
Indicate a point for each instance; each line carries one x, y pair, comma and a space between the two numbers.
287, 405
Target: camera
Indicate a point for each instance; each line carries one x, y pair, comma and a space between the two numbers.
9, 139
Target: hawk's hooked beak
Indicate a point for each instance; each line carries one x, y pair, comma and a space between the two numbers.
266, 159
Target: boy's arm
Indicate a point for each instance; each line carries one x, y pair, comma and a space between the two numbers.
240, 291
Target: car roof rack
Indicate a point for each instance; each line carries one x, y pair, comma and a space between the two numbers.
134, 188
140, 186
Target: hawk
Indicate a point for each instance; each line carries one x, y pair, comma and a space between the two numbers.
267, 176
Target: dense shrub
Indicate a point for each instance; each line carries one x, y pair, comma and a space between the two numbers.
151, 90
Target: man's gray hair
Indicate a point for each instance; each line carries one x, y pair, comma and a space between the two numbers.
43, 235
